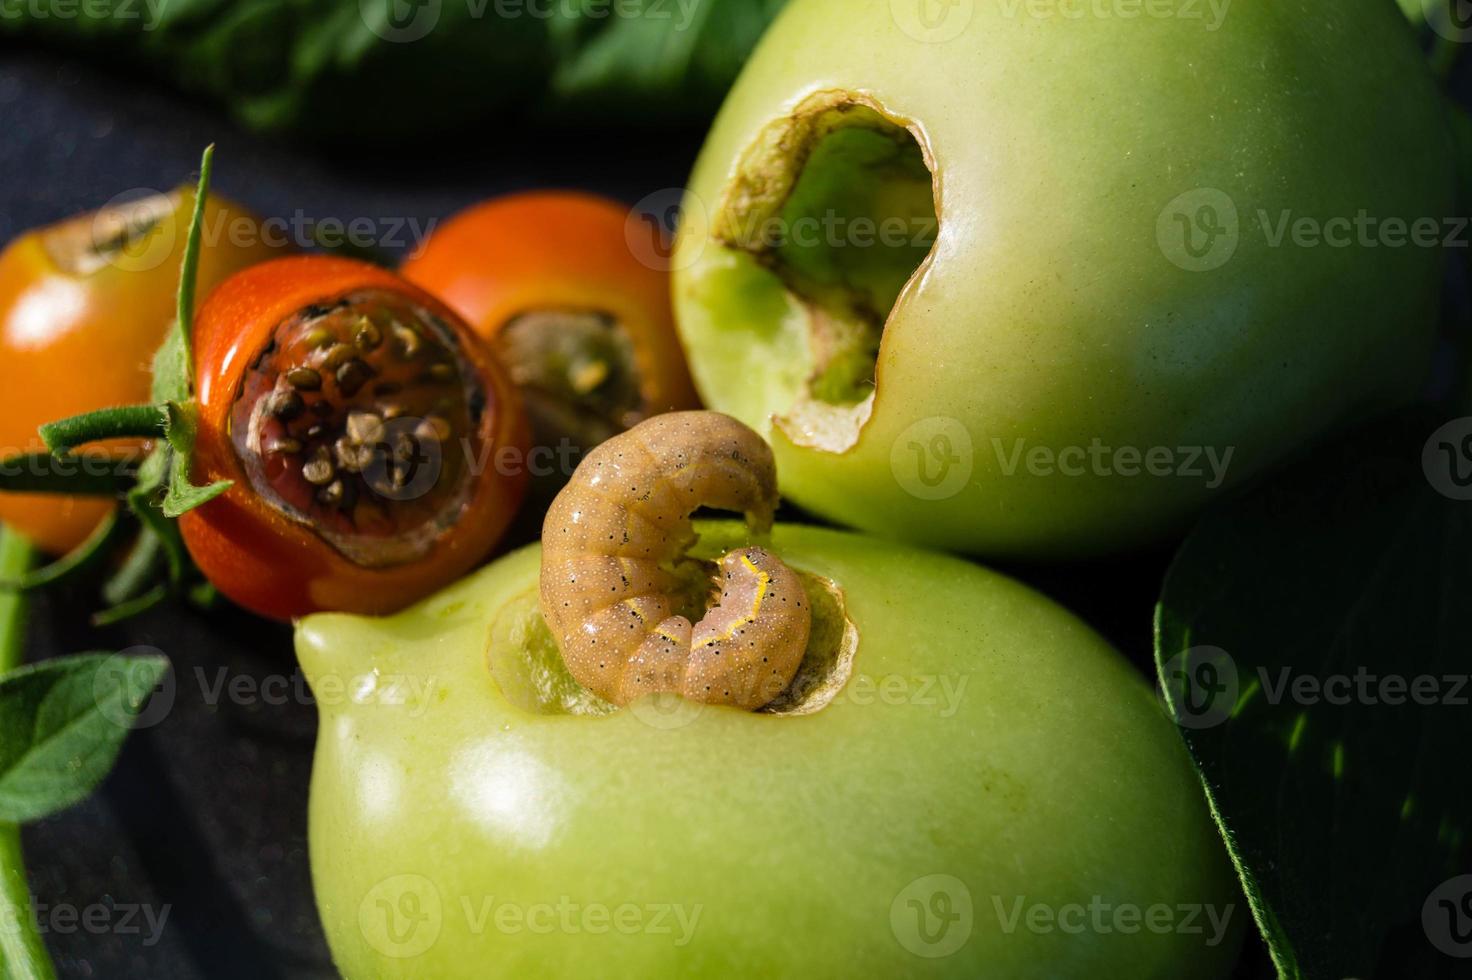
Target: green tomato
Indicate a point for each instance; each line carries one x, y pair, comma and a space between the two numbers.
1036, 278
992, 792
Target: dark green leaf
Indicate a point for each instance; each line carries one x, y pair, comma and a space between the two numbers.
379, 70
63, 722
1344, 802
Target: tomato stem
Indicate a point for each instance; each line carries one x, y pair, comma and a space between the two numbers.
123, 422
78, 476
98, 544
22, 951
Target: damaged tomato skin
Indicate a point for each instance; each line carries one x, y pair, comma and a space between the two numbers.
1050, 315
985, 736
75, 341
269, 563
558, 251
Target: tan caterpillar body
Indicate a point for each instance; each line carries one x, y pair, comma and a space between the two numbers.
609, 545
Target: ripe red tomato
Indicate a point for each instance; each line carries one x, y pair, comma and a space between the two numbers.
583, 325
84, 304
375, 442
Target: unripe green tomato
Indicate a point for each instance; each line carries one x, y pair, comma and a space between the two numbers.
994, 792
1175, 241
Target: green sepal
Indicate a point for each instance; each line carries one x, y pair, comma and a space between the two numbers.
183, 496
171, 371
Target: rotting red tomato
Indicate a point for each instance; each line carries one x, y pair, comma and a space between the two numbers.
84, 304
375, 443
584, 327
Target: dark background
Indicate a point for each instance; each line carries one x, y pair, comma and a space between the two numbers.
206, 812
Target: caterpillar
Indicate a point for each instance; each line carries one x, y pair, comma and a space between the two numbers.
613, 546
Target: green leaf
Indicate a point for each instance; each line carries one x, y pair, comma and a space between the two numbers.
63, 722
1342, 811
661, 54
182, 495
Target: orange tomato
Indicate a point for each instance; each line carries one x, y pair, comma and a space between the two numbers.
83, 306
375, 444
584, 326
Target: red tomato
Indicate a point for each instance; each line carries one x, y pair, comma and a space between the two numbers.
375, 442
584, 327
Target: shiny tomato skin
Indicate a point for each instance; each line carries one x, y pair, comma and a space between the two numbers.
269, 563
558, 250
74, 340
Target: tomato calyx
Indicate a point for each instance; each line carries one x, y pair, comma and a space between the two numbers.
344, 419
